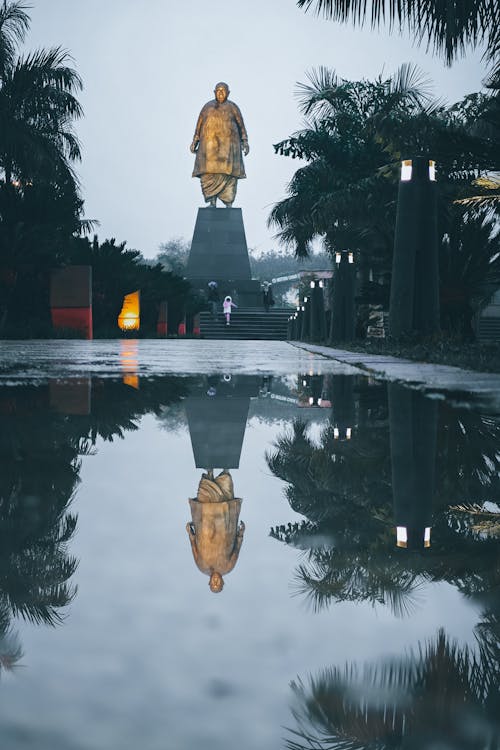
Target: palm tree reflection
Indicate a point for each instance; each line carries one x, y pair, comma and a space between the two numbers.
440, 696
45, 432
350, 491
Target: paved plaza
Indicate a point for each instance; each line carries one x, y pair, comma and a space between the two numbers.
38, 360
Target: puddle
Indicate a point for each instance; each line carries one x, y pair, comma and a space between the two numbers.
353, 526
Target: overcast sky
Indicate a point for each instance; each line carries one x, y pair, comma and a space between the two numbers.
149, 67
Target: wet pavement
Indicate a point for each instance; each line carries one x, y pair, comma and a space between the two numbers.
42, 359
483, 387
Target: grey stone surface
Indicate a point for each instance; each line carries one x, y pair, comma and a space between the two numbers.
22, 361
40, 360
219, 247
483, 387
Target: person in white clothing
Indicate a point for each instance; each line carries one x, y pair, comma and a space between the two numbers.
227, 305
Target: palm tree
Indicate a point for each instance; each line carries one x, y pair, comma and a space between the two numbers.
439, 695
346, 192
450, 27
37, 107
357, 134
40, 205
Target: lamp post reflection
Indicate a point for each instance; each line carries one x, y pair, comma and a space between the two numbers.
413, 428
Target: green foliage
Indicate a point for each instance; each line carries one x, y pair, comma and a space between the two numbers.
173, 255
116, 272
440, 695
450, 28
40, 205
356, 136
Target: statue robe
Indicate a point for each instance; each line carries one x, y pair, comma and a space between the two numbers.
220, 130
216, 541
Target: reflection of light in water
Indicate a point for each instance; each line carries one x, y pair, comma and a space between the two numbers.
130, 362
402, 536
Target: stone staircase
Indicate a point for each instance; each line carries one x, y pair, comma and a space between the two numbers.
247, 323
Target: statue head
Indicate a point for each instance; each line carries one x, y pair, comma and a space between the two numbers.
216, 583
221, 91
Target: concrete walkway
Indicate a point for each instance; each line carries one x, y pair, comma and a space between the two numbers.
484, 387
38, 360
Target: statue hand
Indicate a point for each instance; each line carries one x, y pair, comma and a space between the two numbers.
241, 530
246, 148
194, 146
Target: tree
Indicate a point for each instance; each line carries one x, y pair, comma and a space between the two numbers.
357, 134
441, 694
173, 255
117, 271
346, 192
450, 27
40, 205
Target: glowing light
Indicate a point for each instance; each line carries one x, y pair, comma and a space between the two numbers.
129, 317
348, 433
336, 433
312, 284
432, 170
406, 170
401, 536
311, 401
337, 257
321, 283
319, 402
427, 536
350, 257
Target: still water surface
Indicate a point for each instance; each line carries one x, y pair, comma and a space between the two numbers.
327, 634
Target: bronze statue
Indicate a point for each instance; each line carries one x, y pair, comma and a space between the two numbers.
219, 138
214, 532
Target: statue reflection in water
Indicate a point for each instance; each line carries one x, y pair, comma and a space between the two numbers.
217, 412
214, 532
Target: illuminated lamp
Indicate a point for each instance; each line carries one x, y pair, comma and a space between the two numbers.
407, 170
350, 257
311, 401
338, 257
348, 433
129, 317
312, 284
321, 283
427, 536
401, 536
336, 433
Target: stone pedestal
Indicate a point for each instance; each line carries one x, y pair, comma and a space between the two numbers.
219, 253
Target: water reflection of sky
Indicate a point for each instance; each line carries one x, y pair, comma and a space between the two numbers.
147, 656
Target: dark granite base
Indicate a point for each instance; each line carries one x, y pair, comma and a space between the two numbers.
219, 247
219, 253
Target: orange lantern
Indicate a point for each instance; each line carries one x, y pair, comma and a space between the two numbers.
129, 317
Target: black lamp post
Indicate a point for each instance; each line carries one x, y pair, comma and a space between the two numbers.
414, 305
343, 310
413, 431
317, 320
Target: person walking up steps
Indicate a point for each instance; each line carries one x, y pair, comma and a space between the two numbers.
226, 306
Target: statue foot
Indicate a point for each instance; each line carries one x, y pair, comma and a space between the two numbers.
229, 205
212, 202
